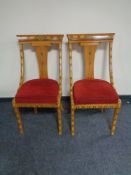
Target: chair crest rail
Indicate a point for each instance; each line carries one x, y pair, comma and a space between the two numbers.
41, 44
78, 38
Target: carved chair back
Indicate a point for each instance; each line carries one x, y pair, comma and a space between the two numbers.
41, 43
89, 43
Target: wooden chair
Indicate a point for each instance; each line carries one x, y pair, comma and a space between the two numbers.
91, 92
42, 92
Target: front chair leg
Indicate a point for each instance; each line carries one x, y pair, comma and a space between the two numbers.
72, 122
19, 120
114, 121
59, 120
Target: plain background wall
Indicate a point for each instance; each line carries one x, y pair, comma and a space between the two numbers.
62, 17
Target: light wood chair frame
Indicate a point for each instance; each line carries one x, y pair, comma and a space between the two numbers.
41, 44
89, 42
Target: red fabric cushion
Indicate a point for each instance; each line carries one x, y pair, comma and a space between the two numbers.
38, 91
94, 92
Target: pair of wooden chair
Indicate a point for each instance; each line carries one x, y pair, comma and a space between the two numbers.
46, 93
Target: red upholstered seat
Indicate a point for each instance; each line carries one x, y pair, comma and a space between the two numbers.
38, 91
94, 92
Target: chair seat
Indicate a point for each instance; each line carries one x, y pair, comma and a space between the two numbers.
94, 92
43, 91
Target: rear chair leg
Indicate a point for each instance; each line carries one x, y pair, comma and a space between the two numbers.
102, 109
59, 121
19, 120
35, 110
114, 121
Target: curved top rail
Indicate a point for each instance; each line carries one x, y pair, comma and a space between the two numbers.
98, 37
41, 37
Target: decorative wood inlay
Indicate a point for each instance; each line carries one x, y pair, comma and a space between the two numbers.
72, 122
90, 42
110, 64
21, 47
101, 37
59, 121
42, 53
52, 38
60, 69
115, 118
42, 61
41, 44
70, 73
18, 117
89, 56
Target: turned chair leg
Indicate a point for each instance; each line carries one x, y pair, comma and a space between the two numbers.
19, 120
59, 110
72, 122
114, 121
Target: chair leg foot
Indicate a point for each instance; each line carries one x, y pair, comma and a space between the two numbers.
72, 122
19, 120
114, 121
59, 121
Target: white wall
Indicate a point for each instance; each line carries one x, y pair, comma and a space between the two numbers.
62, 17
